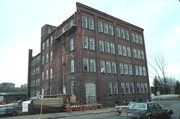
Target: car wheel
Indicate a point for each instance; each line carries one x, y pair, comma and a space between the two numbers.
148, 117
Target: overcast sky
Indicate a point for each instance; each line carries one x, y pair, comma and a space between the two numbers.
21, 22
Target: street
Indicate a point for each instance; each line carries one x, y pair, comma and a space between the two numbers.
95, 114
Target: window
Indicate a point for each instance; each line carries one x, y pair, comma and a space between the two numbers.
102, 66
144, 71
114, 69
126, 69
128, 51
140, 71
85, 42
51, 40
118, 33
138, 88
139, 54
47, 58
92, 65
142, 88
140, 39
91, 44
122, 34
100, 27
107, 49
84, 22
47, 43
120, 50
108, 67
51, 73
127, 35
51, 56
91, 23
142, 55
132, 87
137, 38
127, 88
112, 48
130, 69
105, 28
124, 51
135, 53
42, 76
101, 46
111, 31
122, 85
121, 68
72, 66
85, 64
71, 44
133, 37
43, 45
47, 74
115, 88
146, 87
109, 87
136, 70
43, 60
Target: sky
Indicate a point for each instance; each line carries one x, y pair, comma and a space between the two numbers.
21, 22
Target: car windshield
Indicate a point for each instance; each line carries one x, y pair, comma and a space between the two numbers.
142, 106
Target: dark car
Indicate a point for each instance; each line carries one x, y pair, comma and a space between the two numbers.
149, 110
8, 110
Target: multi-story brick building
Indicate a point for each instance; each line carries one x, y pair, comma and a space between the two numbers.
92, 55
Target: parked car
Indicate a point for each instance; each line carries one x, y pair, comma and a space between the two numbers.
8, 110
126, 106
149, 110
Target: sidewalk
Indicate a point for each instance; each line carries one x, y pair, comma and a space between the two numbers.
61, 114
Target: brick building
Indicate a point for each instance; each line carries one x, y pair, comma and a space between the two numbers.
92, 55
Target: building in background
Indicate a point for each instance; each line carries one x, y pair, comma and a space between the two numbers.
92, 55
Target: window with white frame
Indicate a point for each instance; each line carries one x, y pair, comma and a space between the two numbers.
133, 37
72, 66
111, 31
129, 51
71, 44
84, 22
144, 71
51, 73
101, 46
121, 68
115, 88
92, 65
51, 40
47, 43
126, 69
91, 44
47, 74
105, 28
114, 69
122, 85
122, 34
135, 53
142, 55
108, 66
85, 65
107, 48
130, 69
140, 71
85, 42
102, 66
118, 33
42, 76
120, 52
137, 70
127, 34
100, 27
51, 56
139, 54
47, 58
112, 48
140, 39
132, 88
137, 38
109, 87
124, 51
91, 23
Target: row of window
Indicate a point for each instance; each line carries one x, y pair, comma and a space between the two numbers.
35, 83
45, 44
36, 60
45, 75
140, 70
88, 22
139, 54
126, 88
88, 43
35, 71
45, 58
